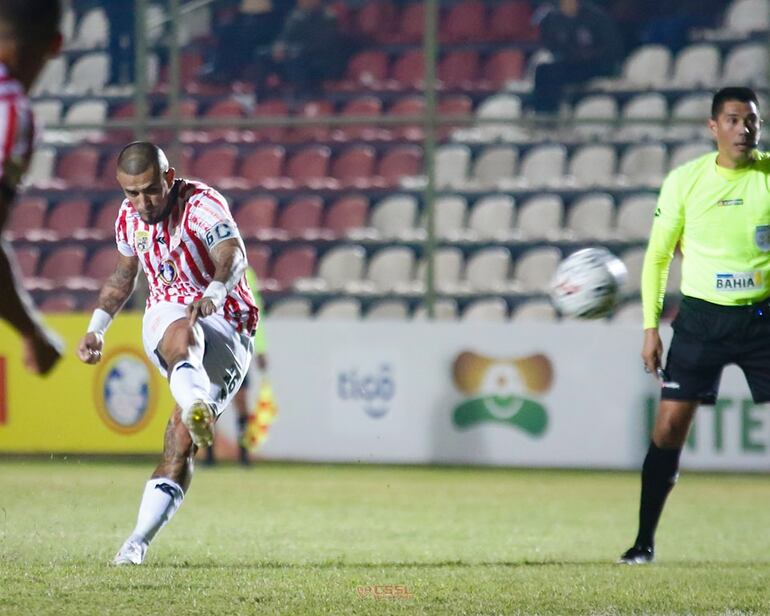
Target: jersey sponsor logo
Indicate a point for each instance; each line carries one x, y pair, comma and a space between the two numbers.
739, 281
730, 202
167, 272
142, 241
762, 237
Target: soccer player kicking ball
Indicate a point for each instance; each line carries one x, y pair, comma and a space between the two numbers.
199, 319
717, 207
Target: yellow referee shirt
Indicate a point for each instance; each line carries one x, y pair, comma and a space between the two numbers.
721, 219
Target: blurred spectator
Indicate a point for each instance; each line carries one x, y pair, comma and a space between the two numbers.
121, 17
585, 43
310, 48
241, 27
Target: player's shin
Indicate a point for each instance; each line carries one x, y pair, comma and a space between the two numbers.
659, 474
189, 383
160, 501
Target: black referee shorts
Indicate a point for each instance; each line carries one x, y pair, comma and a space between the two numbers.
707, 337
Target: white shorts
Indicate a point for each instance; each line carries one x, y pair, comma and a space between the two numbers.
226, 356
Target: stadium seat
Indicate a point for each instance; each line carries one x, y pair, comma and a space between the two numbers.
593, 165
346, 214
459, 70
590, 217
63, 263
256, 218
643, 165
647, 66
688, 117
635, 216
59, 302
89, 73
341, 266
538, 310
503, 67
27, 259
226, 108
503, 107
69, 217
649, 106
89, 111
744, 16
451, 166
124, 111
103, 226
494, 164
388, 310
449, 217
488, 309
633, 259
543, 165
630, 313
107, 177
452, 105
259, 260
540, 217
41, 168
187, 109
316, 132
102, 263
534, 269
411, 24
491, 218
600, 107
486, 270
309, 166
398, 162
79, 166
394, 216
511, 20
215, 164
464, 22
408, 106
273, 108
292, 264
391, 269
697, 66
302, 217
365, 106
341, 308
354, 166
409, 70
52, 78
689, 151
262, 165
447, 270
445, 310
47, 112
91, 31
291, 308
746, 64
368, 68
376, 20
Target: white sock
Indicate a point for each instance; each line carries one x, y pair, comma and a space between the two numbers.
161, 498
189, 382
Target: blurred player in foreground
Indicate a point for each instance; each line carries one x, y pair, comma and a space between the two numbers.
198, 323
29, 35
717, 207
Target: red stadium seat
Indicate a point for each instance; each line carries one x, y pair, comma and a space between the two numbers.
109, 170
102, 264
27, 257
78, 167
302, 217
59, 302
215, 164
366, 106
188, 109
262, 165
121, 135
400, 161
355, 166
256, 216
259, 260
453, 105
409, 106
26, 216
459, 69
291, 264
227, 108
104, 222
376, 20
465, 22
319, 132
69, 217
271, 109
504, 66
512, 21
411, 24
409, 69
63, 263
309, 166
347, 213
368, 68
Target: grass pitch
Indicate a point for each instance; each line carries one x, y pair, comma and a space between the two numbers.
285, 539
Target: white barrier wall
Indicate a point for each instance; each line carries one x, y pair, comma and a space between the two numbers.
567, 395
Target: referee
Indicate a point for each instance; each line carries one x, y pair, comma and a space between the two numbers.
717, 208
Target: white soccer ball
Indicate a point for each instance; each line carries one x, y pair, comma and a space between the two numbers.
587, 284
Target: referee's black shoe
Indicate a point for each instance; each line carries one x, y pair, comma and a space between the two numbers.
638, 555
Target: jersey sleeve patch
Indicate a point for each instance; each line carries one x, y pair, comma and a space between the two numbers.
220, 232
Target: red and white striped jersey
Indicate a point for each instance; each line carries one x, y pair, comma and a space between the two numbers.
17, 130
174, 253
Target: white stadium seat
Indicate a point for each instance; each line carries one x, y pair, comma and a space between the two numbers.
91, 31
449, 216
689, 151
635, 215
602, 106
52, 78
648, 67
540, 217
89, 73
543, 165
534, 269
291, 308
342, 308
391, 269
534, 310
633, 259
494, 164
340, 266
745, 16
651, 107
593, 165
447, 270
445, 310
488, 309
746, 64
590, 216
452, 164
486, 270
643, 165
697, 65
689, 115
388, 310
491, 217
394, 215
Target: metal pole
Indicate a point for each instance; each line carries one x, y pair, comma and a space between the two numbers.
430, 44
174, 77
140, 76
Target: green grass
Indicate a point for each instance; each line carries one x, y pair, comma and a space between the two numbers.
279, 539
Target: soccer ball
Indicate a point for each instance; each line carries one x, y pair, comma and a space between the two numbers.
587, 284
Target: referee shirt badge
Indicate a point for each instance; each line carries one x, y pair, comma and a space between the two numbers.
762, 237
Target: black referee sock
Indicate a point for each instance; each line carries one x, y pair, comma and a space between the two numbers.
659, 474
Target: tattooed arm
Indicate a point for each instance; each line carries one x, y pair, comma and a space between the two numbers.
230, 265
113, 295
